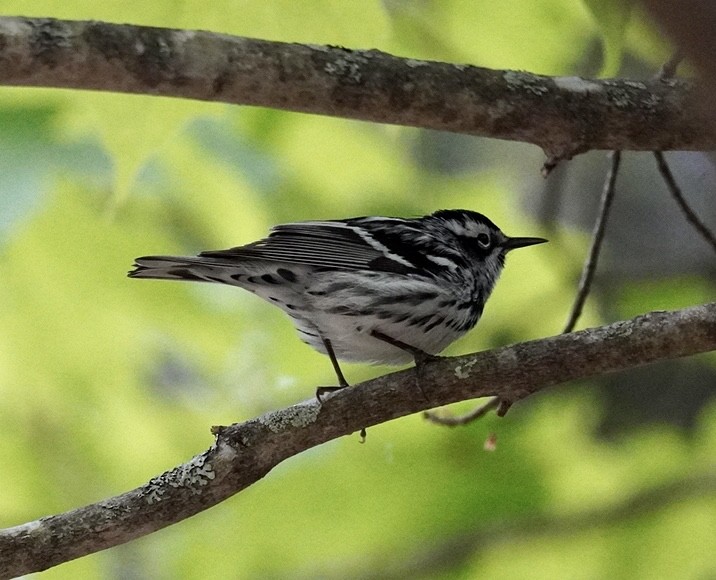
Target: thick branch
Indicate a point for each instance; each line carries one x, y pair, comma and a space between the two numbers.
563, 115
244, 453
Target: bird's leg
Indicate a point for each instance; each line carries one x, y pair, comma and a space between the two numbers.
342, 382
421, 357
503, 406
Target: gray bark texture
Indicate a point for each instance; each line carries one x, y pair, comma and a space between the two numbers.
562, 115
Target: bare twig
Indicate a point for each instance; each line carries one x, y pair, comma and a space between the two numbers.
590, 264
562, 115
678, 195
244, 453
452, 421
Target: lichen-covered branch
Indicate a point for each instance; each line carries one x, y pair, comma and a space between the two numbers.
244, 453
563, 115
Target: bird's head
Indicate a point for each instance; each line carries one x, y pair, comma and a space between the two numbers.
481, 239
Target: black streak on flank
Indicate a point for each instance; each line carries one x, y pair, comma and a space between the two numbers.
438, 320
422, 321
269, 279
286, 274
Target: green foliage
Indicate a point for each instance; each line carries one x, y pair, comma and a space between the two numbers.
612, 17
106, 382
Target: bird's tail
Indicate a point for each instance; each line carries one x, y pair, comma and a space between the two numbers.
196, 269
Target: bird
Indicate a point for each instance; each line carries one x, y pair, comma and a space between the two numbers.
382, 290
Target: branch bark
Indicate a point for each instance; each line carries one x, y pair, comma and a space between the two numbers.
244, 453
562, 115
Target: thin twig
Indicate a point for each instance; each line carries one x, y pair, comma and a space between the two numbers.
590, 264
585, 283
452, 421
678, 195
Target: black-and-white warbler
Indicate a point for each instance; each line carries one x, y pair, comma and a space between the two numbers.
373, 289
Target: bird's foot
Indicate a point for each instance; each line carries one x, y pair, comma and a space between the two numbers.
421, 357
321, 391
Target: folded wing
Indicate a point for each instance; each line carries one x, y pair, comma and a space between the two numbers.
328, 244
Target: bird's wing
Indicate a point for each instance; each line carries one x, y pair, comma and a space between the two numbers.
328, 244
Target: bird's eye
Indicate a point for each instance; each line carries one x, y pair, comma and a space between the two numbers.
483, 240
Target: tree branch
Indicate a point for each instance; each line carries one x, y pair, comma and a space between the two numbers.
244, 453
691, 216
452, 421
563, 115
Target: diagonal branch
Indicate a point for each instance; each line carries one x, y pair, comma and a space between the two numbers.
690, 215
246, 452
563, 115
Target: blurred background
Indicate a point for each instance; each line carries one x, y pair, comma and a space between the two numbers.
106, 382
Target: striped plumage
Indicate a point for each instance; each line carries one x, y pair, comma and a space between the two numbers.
422, 282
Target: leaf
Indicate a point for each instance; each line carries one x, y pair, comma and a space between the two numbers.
154, 123
32, 154
612, 17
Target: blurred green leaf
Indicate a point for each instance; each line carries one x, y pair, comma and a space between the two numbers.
612, 17
32, 153
503, 35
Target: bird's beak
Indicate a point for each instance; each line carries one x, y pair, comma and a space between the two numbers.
513, 243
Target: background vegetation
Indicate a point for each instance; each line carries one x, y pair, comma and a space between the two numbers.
106, 382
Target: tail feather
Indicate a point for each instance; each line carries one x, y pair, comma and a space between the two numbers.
274, 282
183, 268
